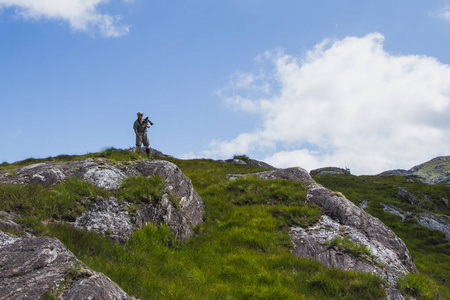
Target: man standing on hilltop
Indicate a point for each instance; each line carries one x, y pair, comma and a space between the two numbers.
140, 129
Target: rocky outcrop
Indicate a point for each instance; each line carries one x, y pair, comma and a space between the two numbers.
178, 185
409, 175
153, 152
7, 222
250, 162
397, 172
118, 219
181, 218
361, 228
38, 267
435, 171
110, 218
436, 222
395, 211
386, 254
407, 197
330, 171
296, 173
428, 220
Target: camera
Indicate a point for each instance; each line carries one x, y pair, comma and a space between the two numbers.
148, 121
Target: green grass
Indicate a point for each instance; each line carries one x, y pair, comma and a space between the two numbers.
343, 244
418, 286
241, 251
142, 189
61, 202
429, 248
254, 190
68, 200
110, 153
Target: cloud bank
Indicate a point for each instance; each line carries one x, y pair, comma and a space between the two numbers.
344, 102
82, 15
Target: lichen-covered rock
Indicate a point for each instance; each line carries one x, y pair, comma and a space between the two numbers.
392, 258
35, 267
250, 162
117, 220
7, 222
165, 213
437, 222
189, 201
315, 242
181, 218
330, 171
108, 217
395, 211
387, 254
428, 220
407, 197
296, 173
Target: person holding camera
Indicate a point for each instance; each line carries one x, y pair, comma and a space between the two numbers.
140, 129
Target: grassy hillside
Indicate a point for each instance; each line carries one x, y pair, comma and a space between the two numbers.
429, 248
241, 251
436, 170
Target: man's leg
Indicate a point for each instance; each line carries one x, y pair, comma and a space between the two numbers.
138, 145
146, 142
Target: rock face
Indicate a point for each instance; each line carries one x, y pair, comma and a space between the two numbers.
153, 152
330, 171
429, 220
181, 218
296, 173
359, 227
389, 258
397, 172
250, 162
108, 217
437, 222
435, 171
407, 197
35, 267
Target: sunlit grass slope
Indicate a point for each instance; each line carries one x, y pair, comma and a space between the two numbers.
241, 251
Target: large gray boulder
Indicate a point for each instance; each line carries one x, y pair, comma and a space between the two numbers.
109, 217
389, 257
181, 216
295, 173
37, 267
387, 254
250, 162
330, 171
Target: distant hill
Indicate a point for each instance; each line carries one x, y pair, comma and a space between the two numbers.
436, 170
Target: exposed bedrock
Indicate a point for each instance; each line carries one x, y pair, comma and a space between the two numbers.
385, 253
38, 267
181, 218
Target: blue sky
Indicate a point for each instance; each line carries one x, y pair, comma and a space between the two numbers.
292, 82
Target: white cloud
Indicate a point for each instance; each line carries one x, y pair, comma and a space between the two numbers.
445, 13
82, 15
345, 101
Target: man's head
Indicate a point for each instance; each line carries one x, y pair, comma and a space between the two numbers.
140, 115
